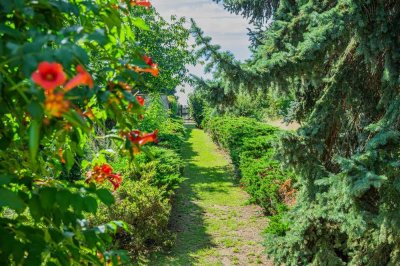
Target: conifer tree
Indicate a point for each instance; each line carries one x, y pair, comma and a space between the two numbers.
255, 10
342, 60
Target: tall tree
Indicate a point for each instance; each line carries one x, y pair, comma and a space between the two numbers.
341, 59
167, 43
255, 10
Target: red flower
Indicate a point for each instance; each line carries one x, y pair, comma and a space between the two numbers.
115, 180
153, 70
140, 100
150, 137
106, 169
148, 60
145, 3
49, 75
141, 139
104, 172
82, 78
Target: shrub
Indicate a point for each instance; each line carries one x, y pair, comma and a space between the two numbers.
56, 88
161, 167
250, 145
171, 134
145, 210
143, 201
198, 107
232, 132
277, 225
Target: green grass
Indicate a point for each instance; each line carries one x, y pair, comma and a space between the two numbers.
207, 208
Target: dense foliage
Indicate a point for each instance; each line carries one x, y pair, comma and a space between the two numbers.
250, 146
144, 200
339, 59
69, 75
167, 44
198, 107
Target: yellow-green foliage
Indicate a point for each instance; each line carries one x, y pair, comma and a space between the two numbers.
144, 208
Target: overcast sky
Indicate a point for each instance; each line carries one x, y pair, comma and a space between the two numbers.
227, 30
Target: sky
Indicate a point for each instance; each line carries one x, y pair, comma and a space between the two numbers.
227, 30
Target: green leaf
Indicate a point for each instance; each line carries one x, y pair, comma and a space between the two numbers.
35, 208
47, 197
121, 224
69, 159
34, 138
11, 199
77, 203
63, 198
29, 65
140, 23
6, 179
115, 260
36, 110
10, 31
90, 204
105, 196
91, 238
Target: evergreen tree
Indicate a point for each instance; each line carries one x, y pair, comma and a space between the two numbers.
229, 74
255, 10
341, 60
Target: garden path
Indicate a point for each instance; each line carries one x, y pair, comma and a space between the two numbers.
213, 223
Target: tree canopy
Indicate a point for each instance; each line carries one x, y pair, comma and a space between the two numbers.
340, 60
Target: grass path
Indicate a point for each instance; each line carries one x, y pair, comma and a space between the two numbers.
214, 226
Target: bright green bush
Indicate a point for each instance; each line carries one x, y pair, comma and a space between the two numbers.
277, 224
155, 114
250, 145
145, 210
198, 107
161, 167
261, 173
171, 134
232, 132
143, 201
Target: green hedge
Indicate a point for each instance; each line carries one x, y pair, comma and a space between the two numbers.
144, 199
250, 146
171, 134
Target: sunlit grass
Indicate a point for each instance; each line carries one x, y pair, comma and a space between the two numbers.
207, 208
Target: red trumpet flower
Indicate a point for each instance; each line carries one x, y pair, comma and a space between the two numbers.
154, 71
104, 172
140, 99
145, 3
141, 139
82, 78
49, 75
148, 60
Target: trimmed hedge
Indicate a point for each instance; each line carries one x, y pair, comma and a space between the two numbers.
250, 146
